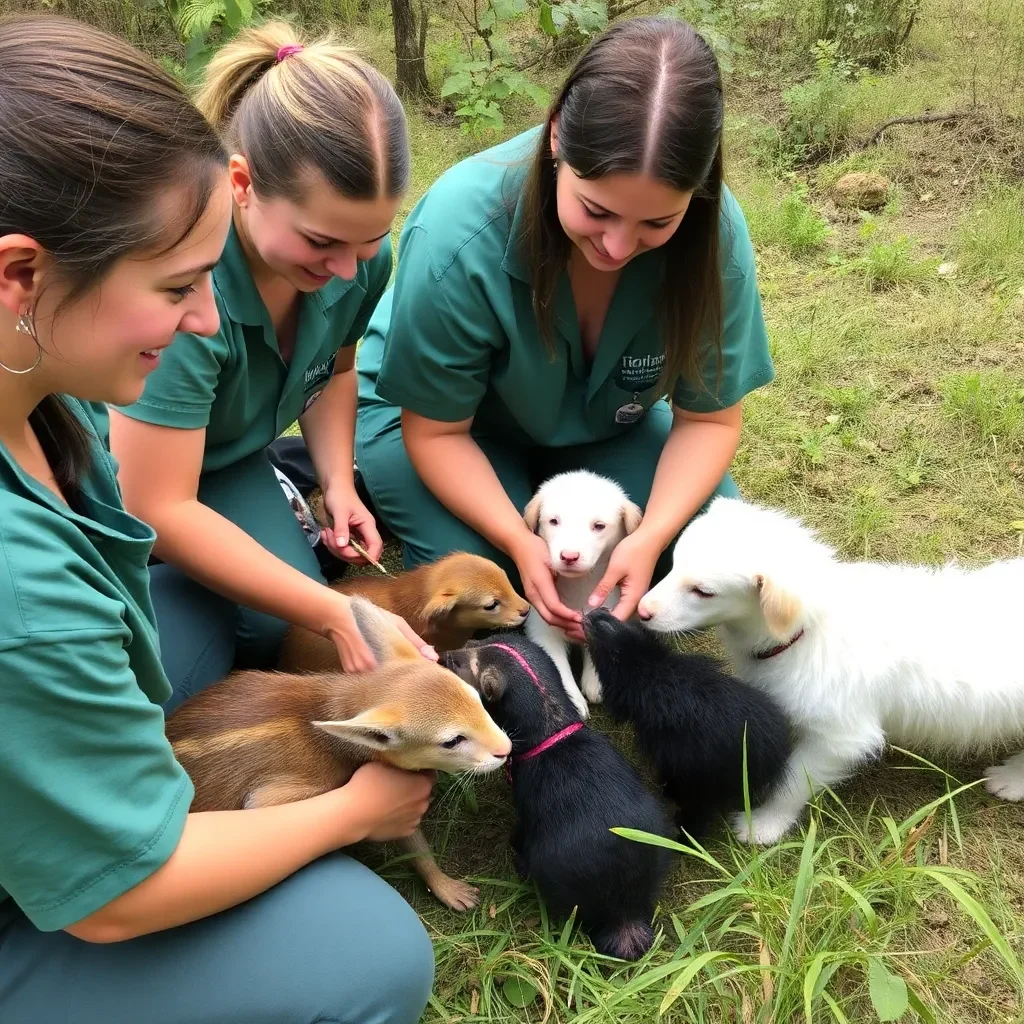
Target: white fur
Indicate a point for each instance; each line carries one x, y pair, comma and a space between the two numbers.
566, 512
923, 658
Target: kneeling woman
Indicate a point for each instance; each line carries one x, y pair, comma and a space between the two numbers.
118, 905
549, 292
320, 161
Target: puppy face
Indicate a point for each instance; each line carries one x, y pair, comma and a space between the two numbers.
581, 516
473, 593
724, 571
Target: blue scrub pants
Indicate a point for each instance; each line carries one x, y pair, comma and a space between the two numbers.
332, 944
427, 529
202, 635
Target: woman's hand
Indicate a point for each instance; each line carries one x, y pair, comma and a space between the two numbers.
388, 802
630, 569
349, 515
353, 653
530, 554
411, 635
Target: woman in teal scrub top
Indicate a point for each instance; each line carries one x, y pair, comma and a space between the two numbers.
319, 165
549, 292
118, 905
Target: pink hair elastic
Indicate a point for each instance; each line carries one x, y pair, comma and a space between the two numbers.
289, 50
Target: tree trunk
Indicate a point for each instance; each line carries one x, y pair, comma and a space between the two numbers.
411, 70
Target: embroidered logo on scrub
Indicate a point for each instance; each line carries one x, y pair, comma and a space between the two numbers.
638, 373
315, 380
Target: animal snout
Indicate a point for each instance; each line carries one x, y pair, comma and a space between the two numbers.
645, 611
569, 557
505, 748
523, 612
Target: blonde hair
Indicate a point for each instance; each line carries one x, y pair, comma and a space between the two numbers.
321, 106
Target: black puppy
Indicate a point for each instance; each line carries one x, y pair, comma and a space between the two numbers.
688, 716
570, 787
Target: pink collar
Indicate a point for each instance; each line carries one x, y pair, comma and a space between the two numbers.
765, 655
551, 740
523, 663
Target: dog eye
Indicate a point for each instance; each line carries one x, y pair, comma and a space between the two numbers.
701, 593
492, 606
553, 521
453, 742
598, 527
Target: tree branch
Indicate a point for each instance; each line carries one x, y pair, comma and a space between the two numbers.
954, 115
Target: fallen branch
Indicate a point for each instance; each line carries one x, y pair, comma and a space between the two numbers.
954, 115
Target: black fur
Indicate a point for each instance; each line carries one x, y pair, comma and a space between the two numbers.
566, 800
688, 716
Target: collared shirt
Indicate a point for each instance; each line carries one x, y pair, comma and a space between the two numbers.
236, 384
91, 798
456, 337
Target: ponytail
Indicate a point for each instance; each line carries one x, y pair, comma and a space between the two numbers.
239, 65
288, 106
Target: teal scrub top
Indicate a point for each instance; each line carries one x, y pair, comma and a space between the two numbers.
92, 801
456, 336
236, 384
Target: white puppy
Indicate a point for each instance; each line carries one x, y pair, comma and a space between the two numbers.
581, 516
858, 653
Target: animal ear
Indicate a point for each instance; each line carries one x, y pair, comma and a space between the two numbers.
381, 636
779, 607
491, 683
376, 728
631, 516
531, 514
441, 604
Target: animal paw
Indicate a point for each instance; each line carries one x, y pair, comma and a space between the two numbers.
1005, 781
765, 828
457, 895
590, 684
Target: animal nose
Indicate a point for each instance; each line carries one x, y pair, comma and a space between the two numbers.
644, 611
570, 557
506, 745
523, 612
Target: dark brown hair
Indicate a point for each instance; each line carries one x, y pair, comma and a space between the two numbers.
93, 135
321, 107
645, 98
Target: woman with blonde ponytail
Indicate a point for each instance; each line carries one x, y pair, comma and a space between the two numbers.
319, 165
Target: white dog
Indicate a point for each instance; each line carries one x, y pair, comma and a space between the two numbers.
858, 653
581, 516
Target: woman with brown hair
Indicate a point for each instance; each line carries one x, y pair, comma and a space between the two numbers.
551, 292
318, 168
117, 904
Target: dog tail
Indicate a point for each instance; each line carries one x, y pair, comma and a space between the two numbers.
628, 940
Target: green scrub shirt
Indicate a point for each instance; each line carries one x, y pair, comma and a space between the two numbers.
460, 338
92, 800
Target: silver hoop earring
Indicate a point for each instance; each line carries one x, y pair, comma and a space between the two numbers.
26, 326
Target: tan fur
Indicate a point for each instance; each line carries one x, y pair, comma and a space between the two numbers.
632, 515
443, 602
781, 609
262, 738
